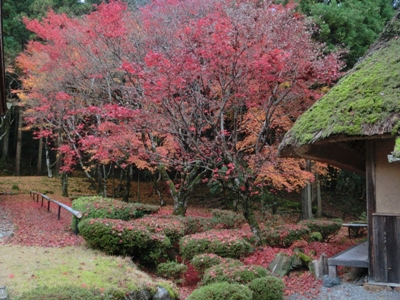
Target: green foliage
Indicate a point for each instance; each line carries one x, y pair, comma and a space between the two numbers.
227, 219
70, 292
267, 288
352, 24
15, 187
222, 291
171, 226
202, 262
105, 208
117, 237
327, 228
171, 270
315, 237
197, 225
396, 150
225, 243
284, 236
233, 272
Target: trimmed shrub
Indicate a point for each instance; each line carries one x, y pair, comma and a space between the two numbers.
172, 227
284, 236
227, 219
327, 228
222, 291
171, 270
104, 208
267, 288
315, 237
70, 292
197, 224
233, 272
225, 243
202, 262
117, 237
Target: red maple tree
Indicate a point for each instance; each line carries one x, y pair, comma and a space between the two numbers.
203, 88
228, 79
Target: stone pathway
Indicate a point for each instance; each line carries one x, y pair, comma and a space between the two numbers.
6, 224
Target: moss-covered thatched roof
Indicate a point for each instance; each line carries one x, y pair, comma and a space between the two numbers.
364, 104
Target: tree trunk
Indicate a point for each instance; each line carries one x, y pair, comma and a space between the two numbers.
64, 184
58, 160
155, 186
248, 213
306, 198
46, 149
6, 138
128, 174
19, 144
138, 187
40, 154
319, 202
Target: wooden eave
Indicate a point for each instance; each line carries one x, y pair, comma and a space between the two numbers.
345, 152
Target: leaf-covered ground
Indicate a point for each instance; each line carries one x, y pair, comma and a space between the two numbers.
35, 226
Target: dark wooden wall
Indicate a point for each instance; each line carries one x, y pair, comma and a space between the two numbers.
386, 254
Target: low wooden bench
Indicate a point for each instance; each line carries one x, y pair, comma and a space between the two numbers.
355, 227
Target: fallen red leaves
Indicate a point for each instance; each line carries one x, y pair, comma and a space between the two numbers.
35, 226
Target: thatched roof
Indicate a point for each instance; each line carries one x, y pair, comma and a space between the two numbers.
364, 104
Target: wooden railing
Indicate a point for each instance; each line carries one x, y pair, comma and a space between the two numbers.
77, 214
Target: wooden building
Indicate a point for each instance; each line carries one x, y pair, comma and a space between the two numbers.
356, 126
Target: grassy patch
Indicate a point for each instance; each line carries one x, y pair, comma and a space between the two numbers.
24, 268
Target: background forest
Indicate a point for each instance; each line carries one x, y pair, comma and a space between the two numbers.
343, 30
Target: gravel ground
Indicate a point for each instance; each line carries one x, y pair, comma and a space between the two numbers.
350, 292
6, 224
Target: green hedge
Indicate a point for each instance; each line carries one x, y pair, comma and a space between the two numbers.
197, 224
284, 236
171, 226
267, 288
105, 208
233, 272
225, 243
202, 262
172, 270
327, 228
222, 291
117, 237
227, 219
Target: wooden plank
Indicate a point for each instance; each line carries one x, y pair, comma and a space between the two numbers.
391, 249
356, 256
380, 251
397, 238
371, 201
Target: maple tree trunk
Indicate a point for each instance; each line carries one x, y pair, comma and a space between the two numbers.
58, 160
155, 186
181, 197
128, 174
19, 144
46, 149
40, 154
248, 213
64, 184
6, 138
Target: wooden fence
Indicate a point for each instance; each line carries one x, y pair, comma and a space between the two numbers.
77, 214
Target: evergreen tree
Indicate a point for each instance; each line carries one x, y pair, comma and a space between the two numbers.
351, 24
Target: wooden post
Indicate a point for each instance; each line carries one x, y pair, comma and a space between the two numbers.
371, 201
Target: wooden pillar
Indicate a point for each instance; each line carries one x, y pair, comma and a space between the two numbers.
371, 201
